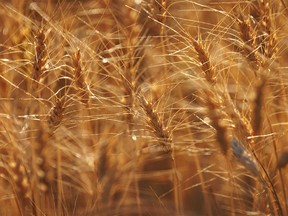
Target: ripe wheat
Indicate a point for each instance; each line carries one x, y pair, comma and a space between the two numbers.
143, 107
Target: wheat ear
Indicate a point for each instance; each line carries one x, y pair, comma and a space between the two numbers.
40, 58
217, 116
248, 36
20, 182
79, 77
283, 159
156, 125
205, 62
55, 115
257, 112
164, 137
44, 173
268, 40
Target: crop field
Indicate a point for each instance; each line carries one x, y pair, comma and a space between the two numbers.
143, 107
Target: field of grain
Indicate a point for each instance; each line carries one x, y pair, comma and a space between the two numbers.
143, 107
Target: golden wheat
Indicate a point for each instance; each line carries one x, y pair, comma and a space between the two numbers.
143, 107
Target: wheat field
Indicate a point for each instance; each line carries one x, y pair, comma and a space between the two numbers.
143, 107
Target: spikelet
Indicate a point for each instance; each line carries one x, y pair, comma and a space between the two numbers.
40, 58
266, 37
217, 116
204, 59
156, 125
55, 115
258, 107
79, 77
248, 36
